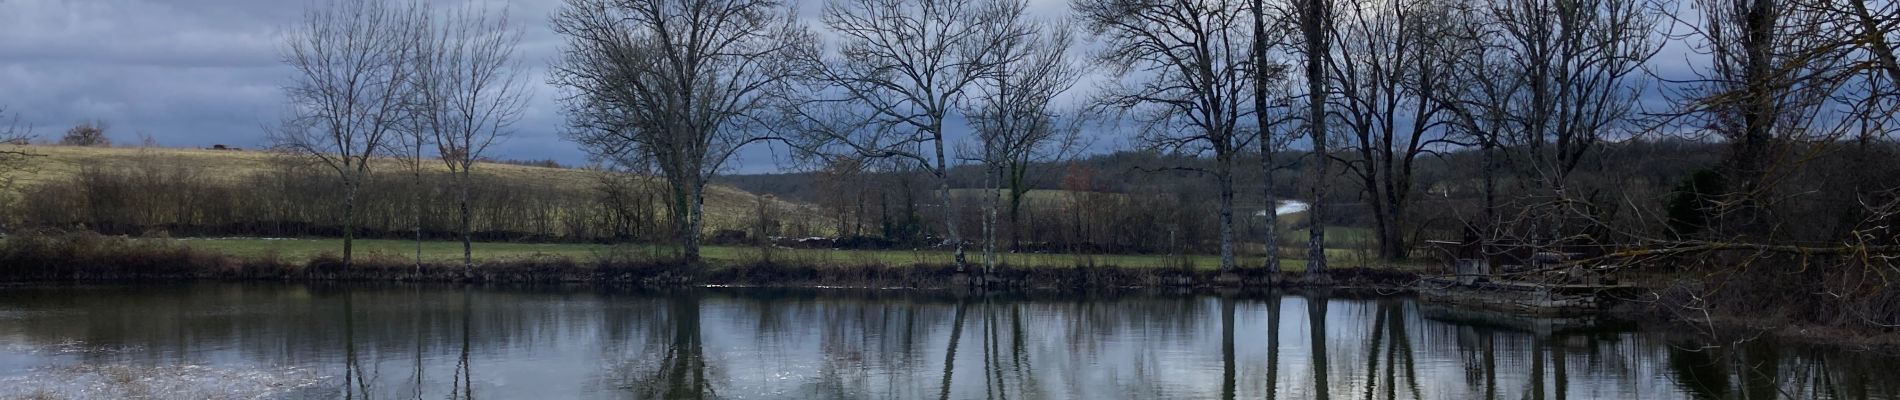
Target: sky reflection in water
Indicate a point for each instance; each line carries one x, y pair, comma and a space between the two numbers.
303, 341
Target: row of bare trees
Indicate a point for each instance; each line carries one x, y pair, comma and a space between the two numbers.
375, 78
684, 85
1538, 89
904, 67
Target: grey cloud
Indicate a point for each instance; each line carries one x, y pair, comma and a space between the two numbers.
197, 72
202, 72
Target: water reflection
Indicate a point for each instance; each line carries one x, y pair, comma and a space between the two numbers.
451, 342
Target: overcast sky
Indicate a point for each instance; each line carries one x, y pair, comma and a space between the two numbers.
193, 73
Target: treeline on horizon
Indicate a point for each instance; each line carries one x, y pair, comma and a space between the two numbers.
1653, 184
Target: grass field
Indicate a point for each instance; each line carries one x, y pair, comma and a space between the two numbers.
725, 205
443, 251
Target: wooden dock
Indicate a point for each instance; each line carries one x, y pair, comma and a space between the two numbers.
1522, 297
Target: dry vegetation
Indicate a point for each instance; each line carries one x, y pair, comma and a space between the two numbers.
726, 207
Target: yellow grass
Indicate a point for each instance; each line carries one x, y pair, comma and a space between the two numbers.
726, 206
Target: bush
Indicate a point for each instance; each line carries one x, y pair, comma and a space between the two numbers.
726, 237
85, 255
1690, 204
864, 242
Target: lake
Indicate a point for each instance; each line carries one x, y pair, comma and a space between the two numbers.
395, 341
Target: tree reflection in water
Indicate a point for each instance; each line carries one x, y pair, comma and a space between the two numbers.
700, 343
680, 372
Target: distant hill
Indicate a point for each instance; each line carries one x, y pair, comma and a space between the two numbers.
727, 207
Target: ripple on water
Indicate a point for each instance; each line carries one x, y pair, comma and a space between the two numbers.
64, 348
121, 381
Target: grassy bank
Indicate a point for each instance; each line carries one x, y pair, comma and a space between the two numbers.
303, 250
78, 257
86, 257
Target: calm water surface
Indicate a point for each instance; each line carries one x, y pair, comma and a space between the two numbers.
300, 341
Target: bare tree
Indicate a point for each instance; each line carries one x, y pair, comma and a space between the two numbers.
351, 92
1790, 220
86, 134
1384, 73
1537, 86
1863, 34
1578, 63
1476, 92
1015, 122
682, 83
1184, 71
470, 95
1763, 90
12, 131
407, 150
13, 157
1580, 60
902, 68
841, 185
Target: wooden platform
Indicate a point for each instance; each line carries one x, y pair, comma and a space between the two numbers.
1543, 325
1522, 297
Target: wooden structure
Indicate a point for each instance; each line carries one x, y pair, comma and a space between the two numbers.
1516, 277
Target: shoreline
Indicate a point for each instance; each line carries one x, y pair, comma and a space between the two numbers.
91, 257
558, 270
95, 259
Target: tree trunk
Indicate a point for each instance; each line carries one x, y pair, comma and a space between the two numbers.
1015, 221
349, 219
1312, 25
415, 204
1397, 178
989, 238
1261, 120
943, 192
468, 230
1018, 188
1225, 176
1758, 114
1489, 153
989, 222
683, 229
1381, 216
695, 213
950, 217
1394, 242
1391, 234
